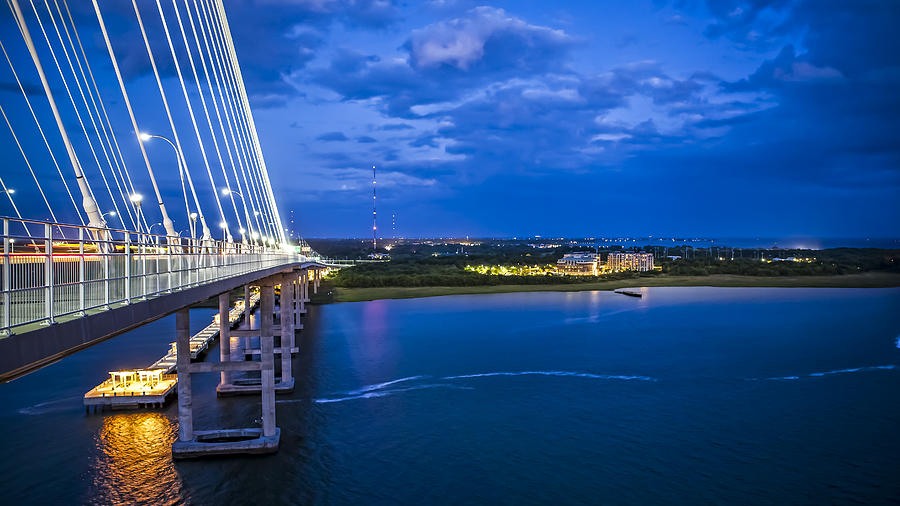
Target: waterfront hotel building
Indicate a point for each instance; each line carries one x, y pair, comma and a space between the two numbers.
586, 264
621, 261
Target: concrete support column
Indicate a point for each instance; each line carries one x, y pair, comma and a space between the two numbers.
302, 286
224, 335
287, 328
267, 344
247, 312
246, 322
316, 281
183, 364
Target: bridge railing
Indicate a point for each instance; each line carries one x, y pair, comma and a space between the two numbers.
50, 271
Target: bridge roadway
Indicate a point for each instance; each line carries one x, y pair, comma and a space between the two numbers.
72, 287
45, 344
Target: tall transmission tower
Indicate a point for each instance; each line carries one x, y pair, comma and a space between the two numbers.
374, 214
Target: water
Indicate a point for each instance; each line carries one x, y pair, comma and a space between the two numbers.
688, 395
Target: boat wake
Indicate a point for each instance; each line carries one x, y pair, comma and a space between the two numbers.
889, 367
380, 389
385, 393
553, 373
49, 406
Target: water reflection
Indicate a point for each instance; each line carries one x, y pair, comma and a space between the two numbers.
134, 460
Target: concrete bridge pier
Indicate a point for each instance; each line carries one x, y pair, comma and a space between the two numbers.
287, 326
266, 315
224, 335
191, 443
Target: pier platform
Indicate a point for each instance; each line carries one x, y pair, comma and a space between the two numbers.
151, 387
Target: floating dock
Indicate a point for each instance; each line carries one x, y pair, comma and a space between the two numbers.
151, 387
630, 294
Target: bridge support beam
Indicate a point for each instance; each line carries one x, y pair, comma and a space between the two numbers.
265, 316
192, 444
287, 326
183, 361
266, 343
225, 335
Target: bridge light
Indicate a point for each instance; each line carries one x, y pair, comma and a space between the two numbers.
136, 198
226, 192
241, 230
223, 225
193, 216
144, 136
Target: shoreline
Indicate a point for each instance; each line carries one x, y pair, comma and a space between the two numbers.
862, 280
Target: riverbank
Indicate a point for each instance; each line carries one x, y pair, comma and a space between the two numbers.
863, 280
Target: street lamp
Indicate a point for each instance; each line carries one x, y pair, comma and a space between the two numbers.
9, 191
193, 217
136, 199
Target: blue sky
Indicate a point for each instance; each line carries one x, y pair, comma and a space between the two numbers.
718, 118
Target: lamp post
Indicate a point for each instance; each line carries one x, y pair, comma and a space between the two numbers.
227, 192
193, 217
182, 167
136, 199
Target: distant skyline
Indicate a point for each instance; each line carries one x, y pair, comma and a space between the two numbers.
767, 118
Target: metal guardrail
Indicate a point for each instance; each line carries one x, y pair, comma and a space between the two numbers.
51, 270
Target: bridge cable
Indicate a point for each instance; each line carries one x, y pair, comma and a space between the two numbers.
252, 125
187, 48
115, 167
180, 153
187, 100
218, 115
75, 108
231, 120
244, 148
95, 219
28, 164
43, 136
252, 154
167, 222
124, 167
15, 208
89, 112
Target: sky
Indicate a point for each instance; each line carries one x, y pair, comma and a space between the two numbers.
716, 118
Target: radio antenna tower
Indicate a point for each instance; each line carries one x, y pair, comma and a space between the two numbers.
374, 223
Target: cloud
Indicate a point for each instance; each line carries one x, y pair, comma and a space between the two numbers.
447, 59
332, 137
487, 37
365, 139
396, 126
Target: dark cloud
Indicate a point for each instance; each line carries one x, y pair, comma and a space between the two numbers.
332, 137
448, 59
396, 126
365, 139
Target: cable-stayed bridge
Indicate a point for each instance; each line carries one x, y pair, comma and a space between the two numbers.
98, 99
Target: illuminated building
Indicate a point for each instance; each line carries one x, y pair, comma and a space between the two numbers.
621, 261
585, 264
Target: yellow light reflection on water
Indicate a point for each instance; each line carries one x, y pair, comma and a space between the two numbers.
134, 462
